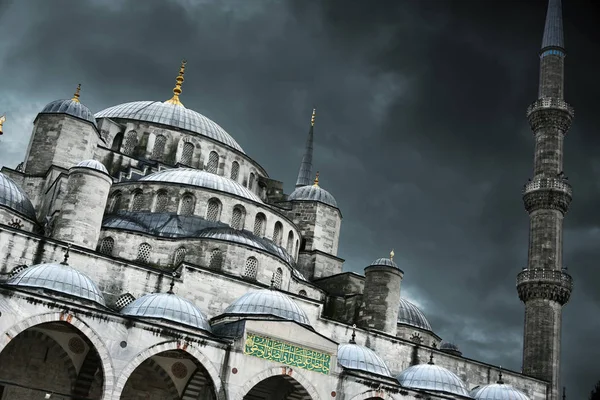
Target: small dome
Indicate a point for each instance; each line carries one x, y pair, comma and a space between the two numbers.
313, 193
353, 356
410, 314
386, 262
59, 278
432, 377
498, 391
170, 115
195, 177
13, 197
451, 348
168, 307
70, 107
93, 164
270, 303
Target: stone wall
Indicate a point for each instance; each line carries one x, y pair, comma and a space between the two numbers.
381, 298
316, 264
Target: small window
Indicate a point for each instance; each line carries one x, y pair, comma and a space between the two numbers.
235, 170
216, 259
296, 249
290, 242
137, 201
179, 256
188, 204
124, 300
115, 203
130, 142
259, 224
251, 181
18, 269
237, 218
251, 268
302, 293
277, 278
187, 153
106, 246
213, 162
213, 211
159, 147
144, 252
161, 202
277, 233
303, 245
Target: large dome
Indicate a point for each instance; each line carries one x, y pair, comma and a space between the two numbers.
432, 377
13, 197
71, 107
353, 356
498, 391
410, 314
59, 278
313, 193
171, 115
169, 307
268, 302
195, 177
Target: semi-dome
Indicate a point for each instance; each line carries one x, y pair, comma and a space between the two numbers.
268, 302
410, 314
313, 193
70, 107
354, 356
60, 278
432, 377
174, 115
450, 347
14, 198
93, 164
498, 391
168, 307
195, 177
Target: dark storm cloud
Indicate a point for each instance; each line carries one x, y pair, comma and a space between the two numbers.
421, 131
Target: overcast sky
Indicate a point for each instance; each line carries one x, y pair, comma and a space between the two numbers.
421, 132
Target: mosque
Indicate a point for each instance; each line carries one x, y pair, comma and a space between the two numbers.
145, 255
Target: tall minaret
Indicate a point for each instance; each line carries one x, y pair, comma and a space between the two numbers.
305, 176
545, 286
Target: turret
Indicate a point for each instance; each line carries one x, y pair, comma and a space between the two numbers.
80, 218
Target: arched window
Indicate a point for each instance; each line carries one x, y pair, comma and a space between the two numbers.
124, 300
160, 204
115, 202
179, 256
290, 242
188, 204
213, 162
237, 217
303, 245
251, 181
251, 268
277, 278
106, 246
213, 211
259, 224
143, 254
130, 142
159, 147
296, 249
187, 153
235, 170
302, 292
277, 233
216, 259
137, 201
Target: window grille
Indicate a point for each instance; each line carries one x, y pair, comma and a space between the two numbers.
290, 242
116, 202
213, 162
188, 203
251, 268
302, 292
235, 170
161, 202
130, 142
124, 300
237, 218
251, 181
259, 225
214, 210
17, 269
159, 147
137, 202
187, 153
216, 259
278, 278
106, 246
179, 256
277, 233
144, 252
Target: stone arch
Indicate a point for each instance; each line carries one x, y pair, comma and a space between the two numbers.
292, 375
160, 348
81, 327
372, 394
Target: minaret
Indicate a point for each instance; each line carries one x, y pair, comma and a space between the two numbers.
544, 285
305, 173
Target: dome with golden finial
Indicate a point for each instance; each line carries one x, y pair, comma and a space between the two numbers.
72, 107
313, 193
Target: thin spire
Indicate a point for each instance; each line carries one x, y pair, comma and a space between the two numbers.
392, 254
316, 182
352, 339
177, 89
500, 381
2, 121
305, 172
553, 30
430, 359
66, 255
173, 276
564, 393
76, 95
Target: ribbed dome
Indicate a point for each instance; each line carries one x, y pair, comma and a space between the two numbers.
93, 164
313, 193
449, 347
498, 391
195, 177
353, 356
168, 307
384, 262
432, 377
410, 314
269, 303
171, 115
13, 197
59, 278
70, 107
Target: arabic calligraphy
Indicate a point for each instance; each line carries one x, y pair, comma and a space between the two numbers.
295, 356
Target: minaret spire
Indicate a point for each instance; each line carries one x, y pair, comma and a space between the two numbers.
305, 173
552, 53
553, 31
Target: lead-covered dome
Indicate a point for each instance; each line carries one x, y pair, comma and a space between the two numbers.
174, 115
70, 107
432, 377
59, 278
449, 347
93, 164
14, 198
387, 262
410, 314
168, 307
195, 177
354, 356
498, 391
313, 193
268, 302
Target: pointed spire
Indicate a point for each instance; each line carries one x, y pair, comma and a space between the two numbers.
553, 31
352, 339
392, 254
430, 359
305, 172
76, 95
66, 255
2, 121
316, 182
177, 89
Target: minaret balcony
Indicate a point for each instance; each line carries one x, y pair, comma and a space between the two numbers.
550, 112
538, 283
547, 193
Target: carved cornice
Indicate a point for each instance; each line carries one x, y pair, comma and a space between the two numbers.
550, 113
544, 284
547, 194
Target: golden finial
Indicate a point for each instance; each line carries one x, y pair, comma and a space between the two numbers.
177, 89
312, 119
2, 120
76, 95
316, 179
392, 254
